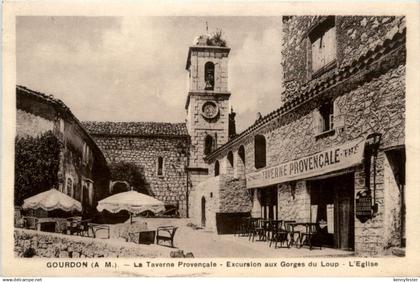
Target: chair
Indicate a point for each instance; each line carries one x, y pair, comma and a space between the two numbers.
309, 236
279, 236
255, 228
293, 240
272, 229
73, 225
83, 227
31, 222
166, 233
242, 227
61, 226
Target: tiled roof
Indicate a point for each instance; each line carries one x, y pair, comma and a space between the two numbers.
44, 97
164, 129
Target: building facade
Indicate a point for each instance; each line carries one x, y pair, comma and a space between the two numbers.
83, 173
160, 150
333, 153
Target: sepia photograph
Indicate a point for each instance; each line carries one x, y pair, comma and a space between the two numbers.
198, 136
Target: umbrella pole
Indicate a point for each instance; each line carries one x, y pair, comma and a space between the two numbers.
131, 218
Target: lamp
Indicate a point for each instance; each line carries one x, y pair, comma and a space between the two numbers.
373, 141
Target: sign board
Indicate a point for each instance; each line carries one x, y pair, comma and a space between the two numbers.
363, 206
336, 158
314, 213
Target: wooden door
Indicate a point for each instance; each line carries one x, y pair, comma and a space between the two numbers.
345, 236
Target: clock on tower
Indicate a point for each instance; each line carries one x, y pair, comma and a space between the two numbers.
208, 97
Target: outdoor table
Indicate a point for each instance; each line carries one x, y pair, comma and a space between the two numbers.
46, 221
305, 238
95, 227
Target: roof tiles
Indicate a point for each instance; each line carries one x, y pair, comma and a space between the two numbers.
164, 129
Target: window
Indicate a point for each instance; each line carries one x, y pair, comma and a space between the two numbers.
61, 125
86, 153
326, 112
160, 166
208, 145
241, 154
240, 163
230, 158
323, 45
260, 151
209, 76
216, 168
69, 187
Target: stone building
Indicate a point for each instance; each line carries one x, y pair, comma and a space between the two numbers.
172, 154
159, 149
333, 153
83, 173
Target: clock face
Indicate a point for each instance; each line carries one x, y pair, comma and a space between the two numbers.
210, 110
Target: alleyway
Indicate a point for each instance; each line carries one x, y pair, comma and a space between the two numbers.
203, 243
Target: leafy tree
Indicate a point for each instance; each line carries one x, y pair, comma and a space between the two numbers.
37, 161
130, 172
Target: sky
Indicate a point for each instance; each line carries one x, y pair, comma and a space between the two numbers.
133, 68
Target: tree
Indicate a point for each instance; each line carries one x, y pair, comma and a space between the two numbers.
130, 172
216, 39
37, 161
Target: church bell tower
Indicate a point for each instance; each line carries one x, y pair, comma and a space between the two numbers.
208, 97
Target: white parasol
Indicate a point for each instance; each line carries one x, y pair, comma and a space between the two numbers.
51, 200
131, 201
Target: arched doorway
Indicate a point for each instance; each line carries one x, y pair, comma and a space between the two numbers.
203, 211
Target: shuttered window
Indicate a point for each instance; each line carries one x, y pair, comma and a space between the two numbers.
323, 45
323, 118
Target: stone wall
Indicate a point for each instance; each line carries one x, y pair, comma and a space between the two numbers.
207, 190
355, 35
28, 124
294, 203
234, 197
376, 106
393, 200
369, 236
199, 127
144, 152
52, 245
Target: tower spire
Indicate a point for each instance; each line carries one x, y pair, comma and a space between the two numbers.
207, 28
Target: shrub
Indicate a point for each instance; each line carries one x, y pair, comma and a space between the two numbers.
130, 172
37, 161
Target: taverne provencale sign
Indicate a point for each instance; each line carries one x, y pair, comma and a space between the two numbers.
336, 158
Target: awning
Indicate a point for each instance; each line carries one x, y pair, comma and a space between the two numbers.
335, 158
